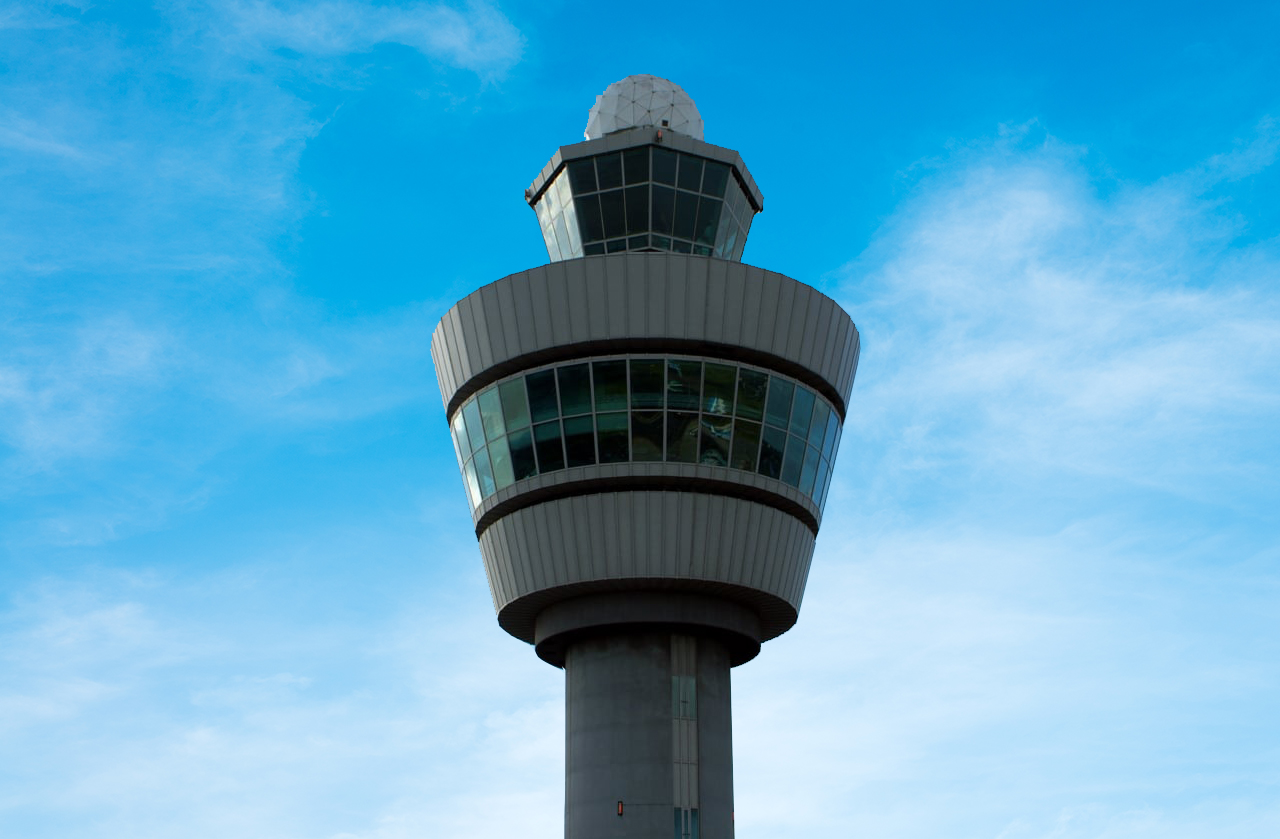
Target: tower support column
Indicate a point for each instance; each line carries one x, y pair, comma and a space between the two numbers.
648, 731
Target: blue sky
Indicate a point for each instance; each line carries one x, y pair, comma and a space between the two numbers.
239, 591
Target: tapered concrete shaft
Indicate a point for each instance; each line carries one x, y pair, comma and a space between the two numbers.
648, 734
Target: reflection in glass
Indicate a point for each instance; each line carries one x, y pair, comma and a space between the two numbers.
646, 382
475, 430
684, 384
515, 407
792, 461
829, 441
542, 395
746, 442
708, 218
500, 455
682, 437
575, 389
772, 446
610, 378
717, 388
646, 435
484, 473
611, 435
523, 464
809, 471
818, 427
473, 483
715, 440
579, 441
801, 413
751, 390
778, 408
546, 440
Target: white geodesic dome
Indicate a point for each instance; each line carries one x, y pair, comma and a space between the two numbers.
639, 101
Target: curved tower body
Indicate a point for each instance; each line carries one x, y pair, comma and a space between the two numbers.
646, 429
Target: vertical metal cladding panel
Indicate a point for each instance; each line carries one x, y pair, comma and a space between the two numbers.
696, 299
732, 304
635, 295
615, 293
809, 330
785, 340
656, 285
526, 314
676, 313
512, 323
770, 311
714, 301
496, 328
576, 283
817, 350
597, 291
558, 300
752, 297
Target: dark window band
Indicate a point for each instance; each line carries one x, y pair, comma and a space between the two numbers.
647, 483
620, 346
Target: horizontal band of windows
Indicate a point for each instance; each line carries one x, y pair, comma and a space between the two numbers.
588, 350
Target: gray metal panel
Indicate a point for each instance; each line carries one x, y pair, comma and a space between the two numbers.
610, 542
650, 297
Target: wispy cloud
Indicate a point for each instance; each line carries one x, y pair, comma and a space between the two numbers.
478, 38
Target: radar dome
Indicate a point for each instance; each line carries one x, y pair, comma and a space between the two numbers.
639, 101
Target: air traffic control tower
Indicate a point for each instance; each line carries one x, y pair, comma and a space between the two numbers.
646, 429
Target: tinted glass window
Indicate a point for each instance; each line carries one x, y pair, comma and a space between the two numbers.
746, 441
664, 166
751, 390
690, 172
637, 209
686, 215
818, 427
611, 209
579, 441
646, 383
792, 461
772, 446
636, 164
503, 476
717, 388
575, 389
664, 209
542, 395
484, 473
612, 433
810, 469
684, 384
546, 440
715, 440
778, 409
523, 464
582, 176
589, 224
611, 385
646, 435
829, 440
682, 437
708, 220
609, 170
714, 178
515, 408
475, 429
801, 413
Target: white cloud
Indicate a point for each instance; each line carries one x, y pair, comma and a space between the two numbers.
479, 38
